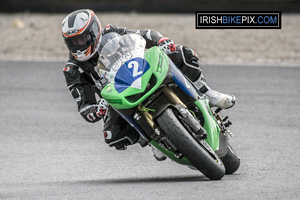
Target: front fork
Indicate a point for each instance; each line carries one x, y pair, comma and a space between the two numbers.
181, 107
191, 122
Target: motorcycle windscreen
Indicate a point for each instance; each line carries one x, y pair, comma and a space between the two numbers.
130, 74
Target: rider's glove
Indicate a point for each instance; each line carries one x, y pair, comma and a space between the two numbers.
167, 45
109, 28
101, 109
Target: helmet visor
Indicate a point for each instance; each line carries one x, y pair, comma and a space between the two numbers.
84, 40
78, 42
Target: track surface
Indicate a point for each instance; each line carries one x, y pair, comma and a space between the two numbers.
47, 151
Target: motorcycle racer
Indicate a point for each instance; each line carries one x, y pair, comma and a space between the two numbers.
82, 33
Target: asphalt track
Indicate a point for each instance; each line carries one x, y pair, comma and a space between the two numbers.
47, 151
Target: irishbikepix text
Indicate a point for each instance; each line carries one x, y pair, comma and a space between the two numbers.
266, 20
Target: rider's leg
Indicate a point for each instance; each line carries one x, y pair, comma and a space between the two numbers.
191, 68
117, 132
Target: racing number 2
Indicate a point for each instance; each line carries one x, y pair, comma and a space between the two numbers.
135, 66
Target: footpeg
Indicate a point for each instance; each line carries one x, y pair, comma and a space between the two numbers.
227, 124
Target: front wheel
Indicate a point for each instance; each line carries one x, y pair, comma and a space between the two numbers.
199, 154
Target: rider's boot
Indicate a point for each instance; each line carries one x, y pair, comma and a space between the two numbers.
217, 99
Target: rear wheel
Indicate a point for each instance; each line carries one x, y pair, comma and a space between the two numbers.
231, 161
198, 153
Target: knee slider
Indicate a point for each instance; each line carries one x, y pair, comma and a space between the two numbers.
120, 139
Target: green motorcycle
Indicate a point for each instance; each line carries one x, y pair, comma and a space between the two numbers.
161, 103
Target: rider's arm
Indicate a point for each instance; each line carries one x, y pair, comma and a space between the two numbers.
152, 37
82, 92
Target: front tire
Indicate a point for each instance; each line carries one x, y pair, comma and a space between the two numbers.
212, 167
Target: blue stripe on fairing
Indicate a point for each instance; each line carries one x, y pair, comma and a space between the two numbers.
182, 82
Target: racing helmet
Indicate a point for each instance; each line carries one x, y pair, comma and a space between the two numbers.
81, 31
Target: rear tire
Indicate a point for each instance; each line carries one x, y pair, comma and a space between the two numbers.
231, 161
211, 167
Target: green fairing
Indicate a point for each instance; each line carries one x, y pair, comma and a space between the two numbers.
210, 125
158, 62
